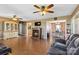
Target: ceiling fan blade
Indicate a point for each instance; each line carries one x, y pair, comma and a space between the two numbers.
50, 6
36, 11
50, 11
37, 6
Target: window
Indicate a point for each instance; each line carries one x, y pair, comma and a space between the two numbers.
58, 27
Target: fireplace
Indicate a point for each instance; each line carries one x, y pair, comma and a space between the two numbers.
37, 33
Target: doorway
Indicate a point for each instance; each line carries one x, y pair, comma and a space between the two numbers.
58, 29
29, 29
22, 28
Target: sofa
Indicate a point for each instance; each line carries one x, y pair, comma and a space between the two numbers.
59, 48
4, 50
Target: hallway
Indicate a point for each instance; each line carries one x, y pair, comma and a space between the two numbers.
27, 46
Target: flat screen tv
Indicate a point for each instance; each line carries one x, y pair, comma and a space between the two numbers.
37, 23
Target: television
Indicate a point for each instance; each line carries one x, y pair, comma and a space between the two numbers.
37, 23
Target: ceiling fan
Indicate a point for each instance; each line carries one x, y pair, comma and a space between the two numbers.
44, 9
14, 17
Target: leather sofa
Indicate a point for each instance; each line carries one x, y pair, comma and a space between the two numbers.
4, 50
58, 48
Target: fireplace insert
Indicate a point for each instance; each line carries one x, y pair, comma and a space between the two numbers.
37, 33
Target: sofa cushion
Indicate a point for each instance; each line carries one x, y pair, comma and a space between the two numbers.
76, 42
54, 51
76, 51
72, 48
60, 46
70, 51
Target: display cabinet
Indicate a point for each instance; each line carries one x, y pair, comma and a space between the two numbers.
8, 28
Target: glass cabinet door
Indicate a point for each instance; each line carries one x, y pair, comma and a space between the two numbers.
16, 27
11, 27
7, 26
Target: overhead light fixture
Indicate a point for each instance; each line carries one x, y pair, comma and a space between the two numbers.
44, 9
43, 13
14, 19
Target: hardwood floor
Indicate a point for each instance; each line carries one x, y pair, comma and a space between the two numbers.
27, 46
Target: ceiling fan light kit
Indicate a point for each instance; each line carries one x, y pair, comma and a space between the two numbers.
43, 13
44, 9
14, 19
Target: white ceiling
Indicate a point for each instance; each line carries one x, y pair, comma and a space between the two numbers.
25, 11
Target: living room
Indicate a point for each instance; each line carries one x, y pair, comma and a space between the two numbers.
33, 32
